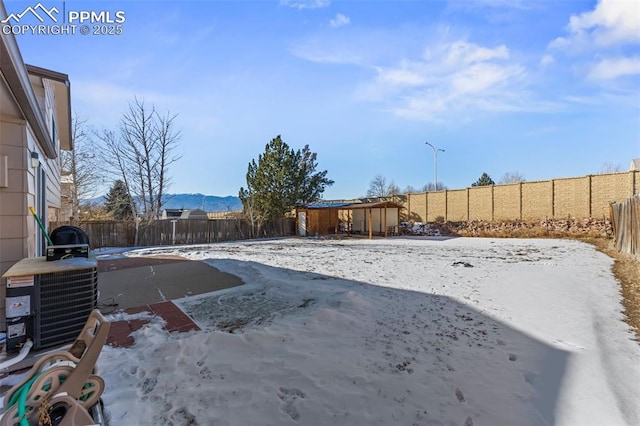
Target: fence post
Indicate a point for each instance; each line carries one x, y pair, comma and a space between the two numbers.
553, 199
520, 193
468, 207
590, 195
446, 205
426, 206
493, 203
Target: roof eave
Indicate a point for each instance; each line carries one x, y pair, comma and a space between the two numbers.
17, 78
62, 92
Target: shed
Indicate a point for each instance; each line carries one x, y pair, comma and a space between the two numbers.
184, 214
325, 218
172, 213
194, 214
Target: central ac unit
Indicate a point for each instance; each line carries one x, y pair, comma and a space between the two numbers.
49, 302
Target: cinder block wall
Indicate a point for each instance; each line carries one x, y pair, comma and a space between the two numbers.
579, 197
571, 197
613, 187
458, 205
480, 202
537, 200
436, 206
507, 202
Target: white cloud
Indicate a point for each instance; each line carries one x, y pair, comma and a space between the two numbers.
612, 68
444, 81
401, 76
602, 45
339, 21
612, 22
329, 51
546, 60
305, 4
462, 53
480, 78
450, 78
322, 57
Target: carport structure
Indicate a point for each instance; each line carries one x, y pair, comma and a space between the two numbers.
326, 218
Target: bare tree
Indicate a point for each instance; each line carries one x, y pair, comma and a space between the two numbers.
168, 139
79, 167
409, 190
252, 213
116, 159
431, 187
610, 168
379, 187
512, 177
140, 155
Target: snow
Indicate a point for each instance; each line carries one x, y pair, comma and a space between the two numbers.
397, 331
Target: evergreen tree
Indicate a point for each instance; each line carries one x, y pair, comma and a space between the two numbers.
280, 180
118, 202
484, 180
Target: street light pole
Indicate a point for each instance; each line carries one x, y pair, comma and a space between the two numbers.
435, 163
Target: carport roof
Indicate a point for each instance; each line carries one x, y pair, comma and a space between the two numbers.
351, 206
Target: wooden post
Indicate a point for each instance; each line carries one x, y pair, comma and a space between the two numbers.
385, 222
370, 224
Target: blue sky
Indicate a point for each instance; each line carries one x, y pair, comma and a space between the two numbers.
546, 89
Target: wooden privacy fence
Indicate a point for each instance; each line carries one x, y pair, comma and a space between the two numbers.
182, 231
625, 217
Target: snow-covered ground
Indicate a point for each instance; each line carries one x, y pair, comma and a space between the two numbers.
398, 331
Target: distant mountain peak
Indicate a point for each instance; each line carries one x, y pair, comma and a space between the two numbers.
208, 203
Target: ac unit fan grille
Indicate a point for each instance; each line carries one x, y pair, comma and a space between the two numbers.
66, 300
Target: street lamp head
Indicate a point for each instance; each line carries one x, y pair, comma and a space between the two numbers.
435, 163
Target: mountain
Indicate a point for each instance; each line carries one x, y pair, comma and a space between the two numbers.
211, 203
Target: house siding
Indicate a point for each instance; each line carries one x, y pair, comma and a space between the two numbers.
19, 233
20, 236
13, 208
13, 205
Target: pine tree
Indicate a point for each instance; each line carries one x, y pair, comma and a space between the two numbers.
484, 180
118, 203
280, 180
